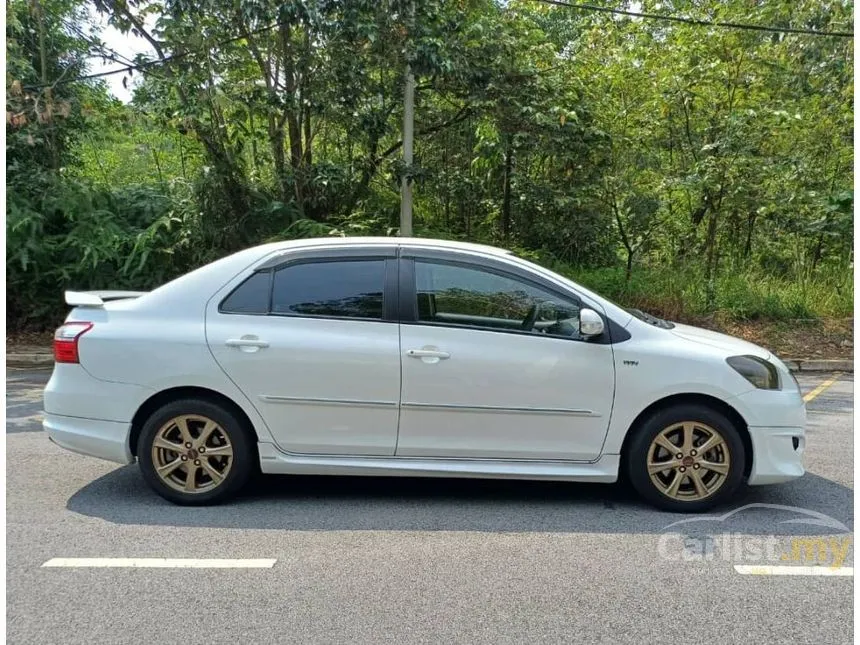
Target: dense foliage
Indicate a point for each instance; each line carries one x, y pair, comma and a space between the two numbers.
674, 167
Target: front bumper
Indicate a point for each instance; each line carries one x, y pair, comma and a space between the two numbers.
777, 454
92, 437
776, 422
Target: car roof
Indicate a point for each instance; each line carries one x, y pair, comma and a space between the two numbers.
388, 241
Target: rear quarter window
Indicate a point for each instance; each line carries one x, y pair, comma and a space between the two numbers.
250, 297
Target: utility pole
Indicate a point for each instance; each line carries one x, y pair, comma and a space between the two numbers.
39, 16
408, 125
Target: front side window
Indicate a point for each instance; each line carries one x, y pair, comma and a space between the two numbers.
341, 289
459, 295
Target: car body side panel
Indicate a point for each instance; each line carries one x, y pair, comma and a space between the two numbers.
324, 386
504, 395
156, 351
656, 364
73, 392
318, 390
274, 461
158, 341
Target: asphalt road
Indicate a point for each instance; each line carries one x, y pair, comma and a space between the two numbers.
401, 561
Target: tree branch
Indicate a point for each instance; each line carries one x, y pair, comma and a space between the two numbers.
464, 113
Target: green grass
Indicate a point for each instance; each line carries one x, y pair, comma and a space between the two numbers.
681, 295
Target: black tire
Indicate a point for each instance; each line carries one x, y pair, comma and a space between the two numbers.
238, 435
636, 457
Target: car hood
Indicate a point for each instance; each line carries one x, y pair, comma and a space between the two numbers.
732, 346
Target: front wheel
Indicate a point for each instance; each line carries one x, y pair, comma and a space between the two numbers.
195, 452
686, 458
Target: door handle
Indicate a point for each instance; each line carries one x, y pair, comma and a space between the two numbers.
427, 353
247, 343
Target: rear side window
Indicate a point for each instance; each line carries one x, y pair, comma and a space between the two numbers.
341, 289
250, 297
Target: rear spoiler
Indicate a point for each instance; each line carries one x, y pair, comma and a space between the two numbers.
98, 298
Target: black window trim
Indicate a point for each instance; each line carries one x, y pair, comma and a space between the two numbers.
227, 312
387, 255
612, 332
330, 253
399, 297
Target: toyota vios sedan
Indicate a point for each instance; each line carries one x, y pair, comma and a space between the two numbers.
397, 356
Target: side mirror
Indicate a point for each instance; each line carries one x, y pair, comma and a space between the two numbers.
590, 323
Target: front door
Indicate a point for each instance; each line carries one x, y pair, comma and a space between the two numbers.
493, 367
312, 345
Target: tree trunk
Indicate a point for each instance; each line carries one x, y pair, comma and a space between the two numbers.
306, 124
296, 159
276, 141
43, 59
816, 254
751, 217
461, 215
625, 240
710, 265
291, 115
305, 108
506, 199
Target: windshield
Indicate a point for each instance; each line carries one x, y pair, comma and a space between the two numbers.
651, 320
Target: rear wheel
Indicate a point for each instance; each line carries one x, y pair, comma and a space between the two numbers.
686, 458
195, 452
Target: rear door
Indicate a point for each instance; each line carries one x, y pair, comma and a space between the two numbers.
485, 377
313, 342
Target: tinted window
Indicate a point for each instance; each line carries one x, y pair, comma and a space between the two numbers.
460, 295
349, 289
250, 297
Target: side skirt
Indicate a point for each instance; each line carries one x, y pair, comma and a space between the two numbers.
275, 462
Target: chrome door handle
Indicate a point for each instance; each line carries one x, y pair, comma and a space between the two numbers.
247, 344
428, 353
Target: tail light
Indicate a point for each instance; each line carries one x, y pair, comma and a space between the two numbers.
66, 341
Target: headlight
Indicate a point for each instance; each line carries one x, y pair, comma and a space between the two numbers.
757, 371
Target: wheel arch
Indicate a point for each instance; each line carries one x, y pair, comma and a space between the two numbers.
699, 399
162, 398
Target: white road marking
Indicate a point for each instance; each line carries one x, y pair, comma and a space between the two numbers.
765, 570
162, 563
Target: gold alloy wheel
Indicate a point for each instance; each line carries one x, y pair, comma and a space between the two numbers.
688, 461
192, 454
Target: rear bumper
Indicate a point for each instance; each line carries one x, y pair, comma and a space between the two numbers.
775, 457
92, 437
74, 392
90, 416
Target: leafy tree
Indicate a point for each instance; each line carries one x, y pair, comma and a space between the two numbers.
675, 166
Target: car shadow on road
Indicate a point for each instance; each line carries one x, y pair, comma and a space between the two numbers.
319, 503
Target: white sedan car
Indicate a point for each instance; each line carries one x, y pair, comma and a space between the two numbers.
415, 357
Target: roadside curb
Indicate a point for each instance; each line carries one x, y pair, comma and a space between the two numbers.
30, 360
819, 365
42, 359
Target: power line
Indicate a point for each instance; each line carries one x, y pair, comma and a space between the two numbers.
559, 3
95, 43
152, 63
700, 23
